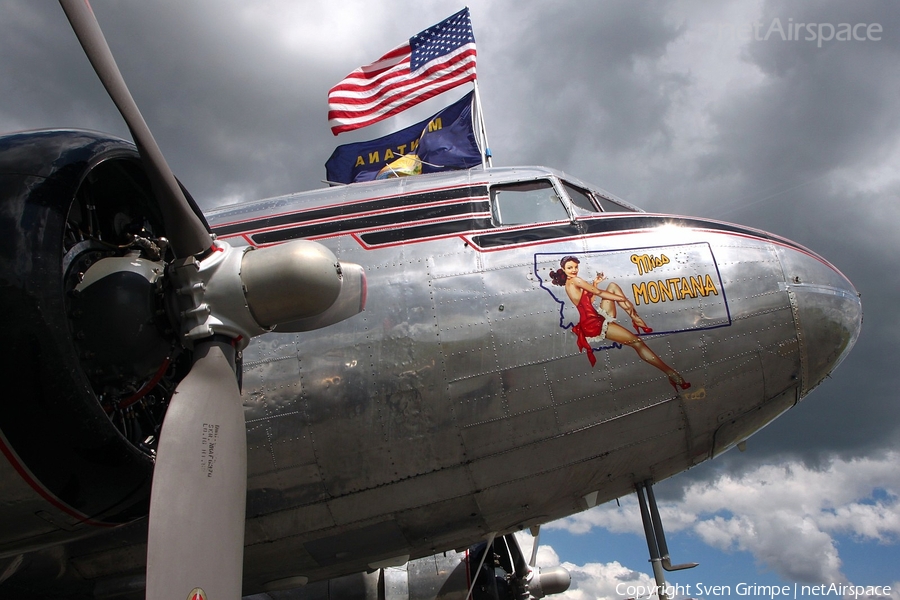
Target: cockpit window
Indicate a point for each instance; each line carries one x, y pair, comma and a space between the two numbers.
527, 202
609, 205
581, 199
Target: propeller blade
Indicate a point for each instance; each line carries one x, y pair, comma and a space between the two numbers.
186, 232
518, 559
199, 493
536, 534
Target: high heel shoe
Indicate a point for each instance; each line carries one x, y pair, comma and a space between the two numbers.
639, 328
678, 381
637, 322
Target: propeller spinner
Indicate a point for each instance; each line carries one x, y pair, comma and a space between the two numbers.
220, 297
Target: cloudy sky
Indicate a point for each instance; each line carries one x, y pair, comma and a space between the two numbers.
697, 108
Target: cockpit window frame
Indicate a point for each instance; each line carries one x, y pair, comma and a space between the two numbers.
575, 207
554, 186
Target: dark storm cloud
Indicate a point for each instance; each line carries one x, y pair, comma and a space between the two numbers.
585, 76
236, 115
819, 108
229, 97
822, 115
43, 71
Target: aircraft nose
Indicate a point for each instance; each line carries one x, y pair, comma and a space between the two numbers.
827, 313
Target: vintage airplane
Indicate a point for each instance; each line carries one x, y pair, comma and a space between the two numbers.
530, 346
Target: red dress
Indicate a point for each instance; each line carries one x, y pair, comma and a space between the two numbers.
592, 325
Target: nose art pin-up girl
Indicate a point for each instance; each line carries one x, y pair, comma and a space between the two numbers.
598, 323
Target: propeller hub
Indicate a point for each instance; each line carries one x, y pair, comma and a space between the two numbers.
546, 582
208, 297
244, 292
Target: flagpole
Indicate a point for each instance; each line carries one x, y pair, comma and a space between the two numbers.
482, 132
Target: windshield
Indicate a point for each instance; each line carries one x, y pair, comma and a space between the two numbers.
527, 202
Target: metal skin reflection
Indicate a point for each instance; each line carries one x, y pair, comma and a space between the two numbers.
458, 405
470, 404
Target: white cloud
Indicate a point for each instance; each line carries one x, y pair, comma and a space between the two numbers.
591, 581
786, 515
594, 581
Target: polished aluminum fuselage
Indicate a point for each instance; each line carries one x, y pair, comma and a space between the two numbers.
459, 403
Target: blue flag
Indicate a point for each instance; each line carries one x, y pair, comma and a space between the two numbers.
443, 142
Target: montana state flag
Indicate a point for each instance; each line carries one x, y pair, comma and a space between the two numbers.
443, 142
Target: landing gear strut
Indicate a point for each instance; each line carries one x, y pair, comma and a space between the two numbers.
656, 537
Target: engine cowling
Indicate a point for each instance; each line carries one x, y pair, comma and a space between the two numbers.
83, 399
101, 319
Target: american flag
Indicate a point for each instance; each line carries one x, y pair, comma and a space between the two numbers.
431, 62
